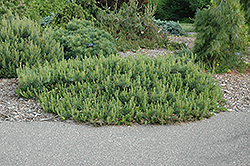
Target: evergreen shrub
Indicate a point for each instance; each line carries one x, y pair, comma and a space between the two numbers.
222, 35
176, 10
116, 5
67, 12
45, 7
81, 39
170, 27
132, 27
22, 43
16, 7
118, 90
185, 52
246, 9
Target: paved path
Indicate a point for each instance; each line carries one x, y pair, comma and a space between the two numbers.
222, 140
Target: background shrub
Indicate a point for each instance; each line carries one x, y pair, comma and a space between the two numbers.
16, 7
46, 7
70, 11
81, 39
246, 7
132, 29
119, 90
221, 34
179, 10
116, 5
22, 43
170, 27
175, 10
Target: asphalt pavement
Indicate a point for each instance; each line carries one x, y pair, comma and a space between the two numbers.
222, 140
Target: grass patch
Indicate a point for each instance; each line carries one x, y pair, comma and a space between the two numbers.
117, 90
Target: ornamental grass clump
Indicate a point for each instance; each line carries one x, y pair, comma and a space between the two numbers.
22, 43
81, 39
116, 90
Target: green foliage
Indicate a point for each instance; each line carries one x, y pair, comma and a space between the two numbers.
170, 27
47, 20
246, 9
132, 29
81, 39
62, 11
90, 6
45, 7
116, 5
23, 43
118, 90
184, 53
16, 7
176, 10
221, 34
199, 4
187, 27
68, 12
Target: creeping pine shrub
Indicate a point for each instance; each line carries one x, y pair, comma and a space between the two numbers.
81, 39
22, 43
221, 35
170, 27
132, 26
119, 90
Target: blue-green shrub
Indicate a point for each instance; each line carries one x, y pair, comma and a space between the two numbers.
171, 27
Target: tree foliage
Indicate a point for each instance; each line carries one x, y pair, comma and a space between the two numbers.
246, 8
221, 34
178, 10
174, 10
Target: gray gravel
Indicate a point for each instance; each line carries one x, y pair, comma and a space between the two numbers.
222, 140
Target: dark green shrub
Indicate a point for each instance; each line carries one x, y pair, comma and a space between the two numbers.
179, 10
119, 90
81, 39
132, 29
22, 43
175, 10
221, 34
246, 8
171, 27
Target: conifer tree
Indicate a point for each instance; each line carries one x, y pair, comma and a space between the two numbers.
221, 34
